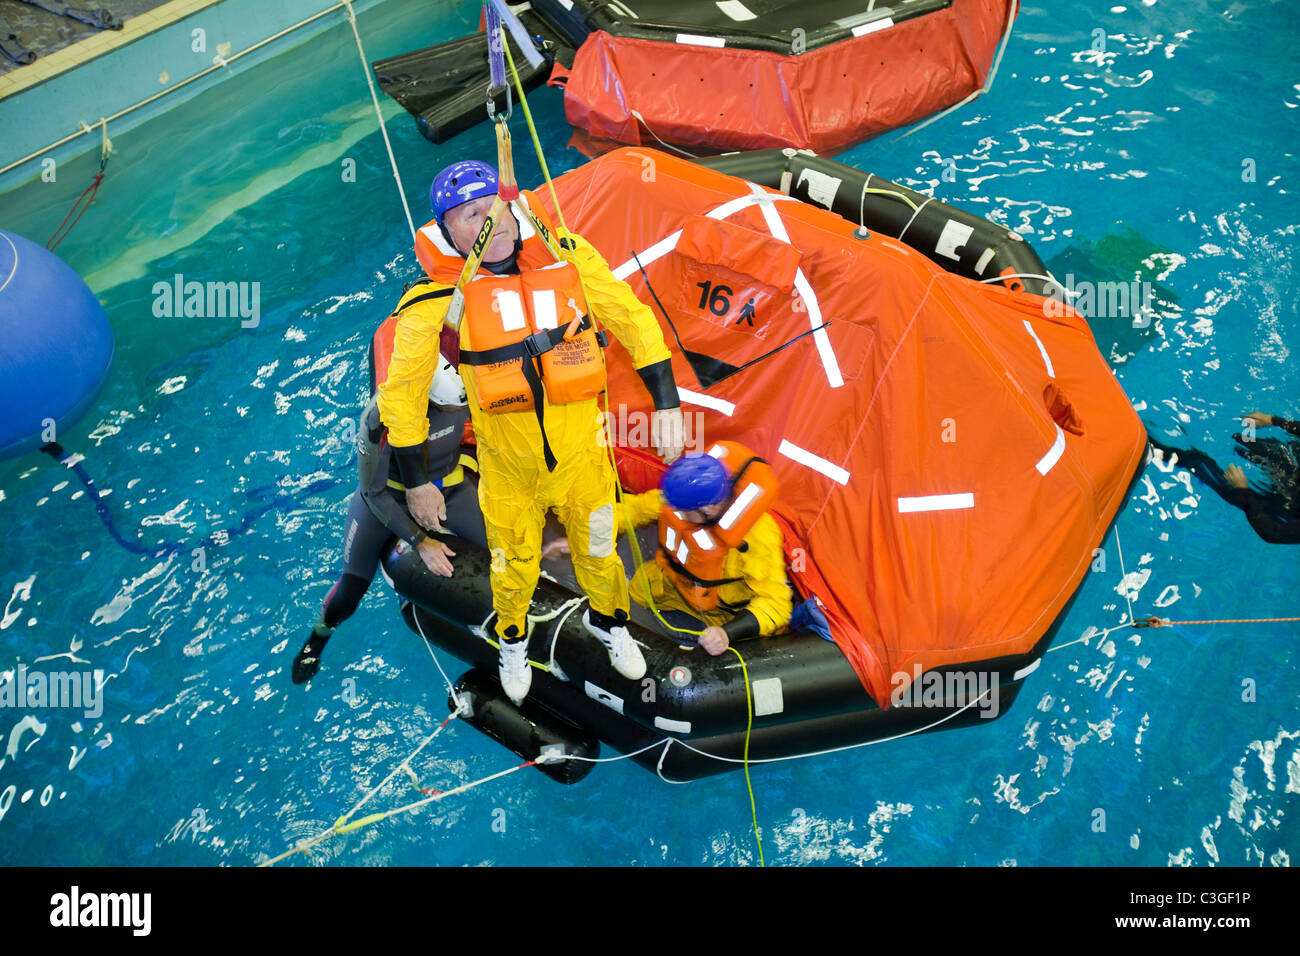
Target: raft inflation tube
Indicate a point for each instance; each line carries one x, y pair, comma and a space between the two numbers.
963, 243
943, 569
806, 696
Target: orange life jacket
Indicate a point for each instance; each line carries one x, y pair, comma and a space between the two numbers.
692, 555
512, 334
516, 326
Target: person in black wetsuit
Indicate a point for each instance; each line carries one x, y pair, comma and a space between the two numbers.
1274, 512
377, 512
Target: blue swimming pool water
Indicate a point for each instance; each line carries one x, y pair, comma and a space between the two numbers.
1119, 164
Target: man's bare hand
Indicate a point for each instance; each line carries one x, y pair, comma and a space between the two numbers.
434, 554
1259, 418
714, 640
427, 506
667, 433
555, 549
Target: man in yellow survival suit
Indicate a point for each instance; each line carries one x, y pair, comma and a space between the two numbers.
533, 401
720, 565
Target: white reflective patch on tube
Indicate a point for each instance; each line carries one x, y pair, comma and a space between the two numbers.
692, 39
702, 540
937, 502
1026, 670
809, 460
736, 10
673, 726
768, 698
952, 239
567, 4
511, 309
1051, 372
670, 539
544, 309
600, 532
738, 506
682, 553
706, 401
1048, 461
983, 261
821, 187
884, 23
717, 451
612, 701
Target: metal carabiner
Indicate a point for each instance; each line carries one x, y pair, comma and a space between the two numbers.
491, 103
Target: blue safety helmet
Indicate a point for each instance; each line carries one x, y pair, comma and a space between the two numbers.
460, 183
694, 481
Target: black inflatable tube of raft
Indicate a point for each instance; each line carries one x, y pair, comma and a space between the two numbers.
815, 677
528, 731
823, 21
913, 218
823, 705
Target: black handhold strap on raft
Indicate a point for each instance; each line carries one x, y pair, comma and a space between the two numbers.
529, 352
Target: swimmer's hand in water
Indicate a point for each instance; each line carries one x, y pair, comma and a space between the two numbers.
1259, 418
427, 506
434, 554
555, 549
1236, 477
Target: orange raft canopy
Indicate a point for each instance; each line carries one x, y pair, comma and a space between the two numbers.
950, 452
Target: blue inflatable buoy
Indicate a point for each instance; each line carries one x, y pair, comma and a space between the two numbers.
55, 346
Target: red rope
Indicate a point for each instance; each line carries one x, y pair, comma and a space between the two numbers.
90, 191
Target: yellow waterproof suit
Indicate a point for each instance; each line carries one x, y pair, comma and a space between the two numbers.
762, 591
515, 488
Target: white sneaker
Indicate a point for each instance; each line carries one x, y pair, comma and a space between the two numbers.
514, 670
623, 651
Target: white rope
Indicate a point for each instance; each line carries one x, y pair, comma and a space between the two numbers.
569, 607
415, 616
1123, 573
660, 141
1021, 275
407, 808
370, 81
988, 83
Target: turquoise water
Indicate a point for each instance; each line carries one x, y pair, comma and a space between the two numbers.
1119, 165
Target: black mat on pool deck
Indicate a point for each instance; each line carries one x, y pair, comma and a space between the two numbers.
29, 32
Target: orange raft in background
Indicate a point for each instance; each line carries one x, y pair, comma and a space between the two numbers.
729, 75
949, 451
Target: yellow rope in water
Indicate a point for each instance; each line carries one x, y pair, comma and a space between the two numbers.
749, 726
